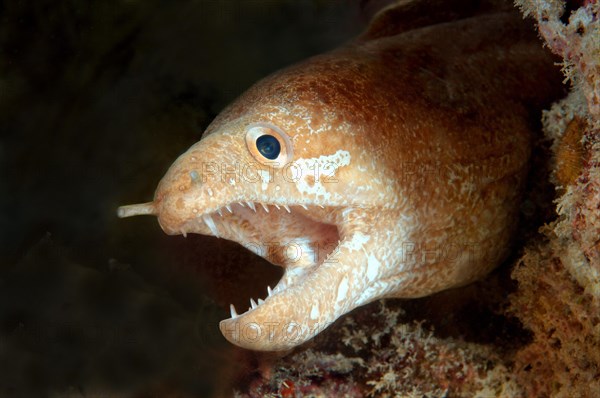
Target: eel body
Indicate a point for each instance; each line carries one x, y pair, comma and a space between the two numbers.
392, 166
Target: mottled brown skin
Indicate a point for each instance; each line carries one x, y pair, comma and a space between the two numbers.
437, 124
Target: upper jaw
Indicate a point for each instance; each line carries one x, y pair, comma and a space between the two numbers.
220, 220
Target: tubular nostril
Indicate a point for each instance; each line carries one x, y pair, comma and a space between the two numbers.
137, 210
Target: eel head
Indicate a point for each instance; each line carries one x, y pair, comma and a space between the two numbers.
290, 180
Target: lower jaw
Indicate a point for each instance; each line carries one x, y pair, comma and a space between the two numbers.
299, 308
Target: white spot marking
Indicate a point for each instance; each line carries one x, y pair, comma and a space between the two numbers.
314, 312
373, 266
358, 241
322, 170
265, 176
342, 290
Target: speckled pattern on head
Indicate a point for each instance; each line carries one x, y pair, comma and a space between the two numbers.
403, 157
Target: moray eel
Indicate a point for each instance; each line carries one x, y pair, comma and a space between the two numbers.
392, 166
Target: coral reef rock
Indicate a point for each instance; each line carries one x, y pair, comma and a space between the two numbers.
558, 297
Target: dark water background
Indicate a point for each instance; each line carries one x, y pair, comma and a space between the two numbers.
97, 98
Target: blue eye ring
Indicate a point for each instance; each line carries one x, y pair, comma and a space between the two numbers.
268, 144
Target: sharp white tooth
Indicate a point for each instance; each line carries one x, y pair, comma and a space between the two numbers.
184, 233
241, 204
261, 301
265, 207
228, 208
232, 311
211, 225
277, 207
321, 206
251, 205
269, 291
287, 208
304, 207
220, 212
253, 303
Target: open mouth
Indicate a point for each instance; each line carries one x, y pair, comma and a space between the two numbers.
307, 240
299, 237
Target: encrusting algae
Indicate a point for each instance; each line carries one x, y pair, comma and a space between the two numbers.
558, 297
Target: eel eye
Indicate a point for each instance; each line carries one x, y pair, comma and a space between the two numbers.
268, 144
